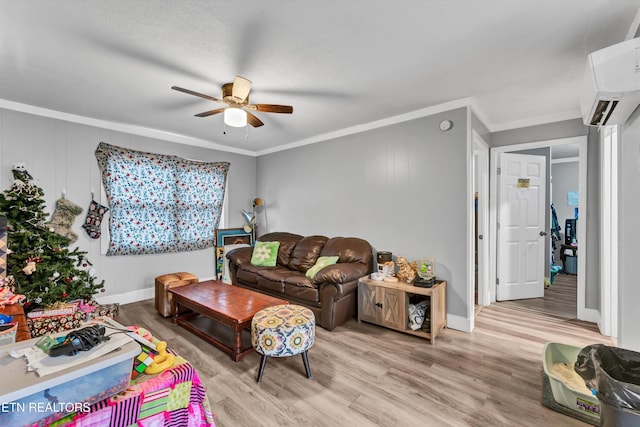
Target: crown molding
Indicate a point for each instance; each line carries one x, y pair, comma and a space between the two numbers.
121, 127
469, 102
423, 112
534, 121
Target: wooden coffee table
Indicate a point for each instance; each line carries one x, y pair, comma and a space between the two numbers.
220, 313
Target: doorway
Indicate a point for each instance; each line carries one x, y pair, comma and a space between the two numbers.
581, 311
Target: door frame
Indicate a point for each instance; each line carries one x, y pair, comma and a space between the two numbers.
609, 150
481, 184
583, 313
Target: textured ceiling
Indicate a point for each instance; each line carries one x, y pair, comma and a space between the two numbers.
340, 63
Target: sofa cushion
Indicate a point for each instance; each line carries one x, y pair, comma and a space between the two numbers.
302, 292
287, 242
284, 251
306, 252
276, 274
349, 249
296, 278
321, 263
246, 276
265, 254
270, 285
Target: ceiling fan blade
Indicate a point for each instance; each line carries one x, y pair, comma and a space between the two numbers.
271, 108
201, 95
211, 112
241, 88
253, 120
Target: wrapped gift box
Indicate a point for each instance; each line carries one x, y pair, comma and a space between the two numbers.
61, 319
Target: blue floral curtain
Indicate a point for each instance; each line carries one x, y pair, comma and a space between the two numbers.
160, 203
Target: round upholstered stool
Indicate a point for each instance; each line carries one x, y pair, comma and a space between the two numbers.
281, 331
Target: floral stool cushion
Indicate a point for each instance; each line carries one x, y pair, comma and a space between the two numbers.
283, 330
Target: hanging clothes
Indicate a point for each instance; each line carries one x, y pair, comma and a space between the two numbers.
555, 233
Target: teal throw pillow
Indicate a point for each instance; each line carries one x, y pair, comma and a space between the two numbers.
265, 254
321, 263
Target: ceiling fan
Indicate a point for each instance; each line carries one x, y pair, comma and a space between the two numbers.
236, 95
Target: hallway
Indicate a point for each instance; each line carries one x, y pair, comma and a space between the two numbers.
560, 299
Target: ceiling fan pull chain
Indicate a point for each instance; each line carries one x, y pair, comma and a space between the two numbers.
224, 128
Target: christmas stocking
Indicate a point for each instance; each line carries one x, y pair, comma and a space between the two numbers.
94, 219
63, 217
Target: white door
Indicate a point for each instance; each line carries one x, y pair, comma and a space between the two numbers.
521, 232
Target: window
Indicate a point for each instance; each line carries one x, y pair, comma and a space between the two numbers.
160, 203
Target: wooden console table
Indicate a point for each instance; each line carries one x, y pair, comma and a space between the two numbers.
386, 304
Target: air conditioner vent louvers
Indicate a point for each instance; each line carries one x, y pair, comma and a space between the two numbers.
597, 115
604, 109
613, 107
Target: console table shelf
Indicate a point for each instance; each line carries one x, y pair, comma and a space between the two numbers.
387, 304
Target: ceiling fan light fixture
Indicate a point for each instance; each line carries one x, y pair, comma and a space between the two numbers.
235, 117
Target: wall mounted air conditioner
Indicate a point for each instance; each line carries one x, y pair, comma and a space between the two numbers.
611, 89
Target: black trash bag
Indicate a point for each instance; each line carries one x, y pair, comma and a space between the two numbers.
614, 373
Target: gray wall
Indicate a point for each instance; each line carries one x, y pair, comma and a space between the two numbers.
60, 155
567, 129
564, 177
402, 187
480, 128
629, 232
557, 130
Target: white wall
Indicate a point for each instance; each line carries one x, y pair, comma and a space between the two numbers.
60, 155
401, 187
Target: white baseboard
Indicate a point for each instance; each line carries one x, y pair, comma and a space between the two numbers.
590, 315
133, 296
127, 297
460, 323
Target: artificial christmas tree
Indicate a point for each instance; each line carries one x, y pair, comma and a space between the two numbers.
44, 268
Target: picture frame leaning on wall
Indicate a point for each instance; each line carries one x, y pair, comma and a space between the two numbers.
229, 236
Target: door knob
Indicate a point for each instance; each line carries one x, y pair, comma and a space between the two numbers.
543, 233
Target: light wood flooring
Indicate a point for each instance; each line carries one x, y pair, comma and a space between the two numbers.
365, 375
560, 299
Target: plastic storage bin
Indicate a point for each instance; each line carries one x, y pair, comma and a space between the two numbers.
27, 399
571, 264
613, 372
578, 403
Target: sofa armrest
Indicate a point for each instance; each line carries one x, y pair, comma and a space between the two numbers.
341, 273
240, 256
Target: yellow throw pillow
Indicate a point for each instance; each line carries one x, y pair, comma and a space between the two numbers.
321, 263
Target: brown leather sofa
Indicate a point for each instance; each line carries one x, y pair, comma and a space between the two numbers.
332, 294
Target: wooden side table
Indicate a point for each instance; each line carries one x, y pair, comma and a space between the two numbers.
17, 312
386, 304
